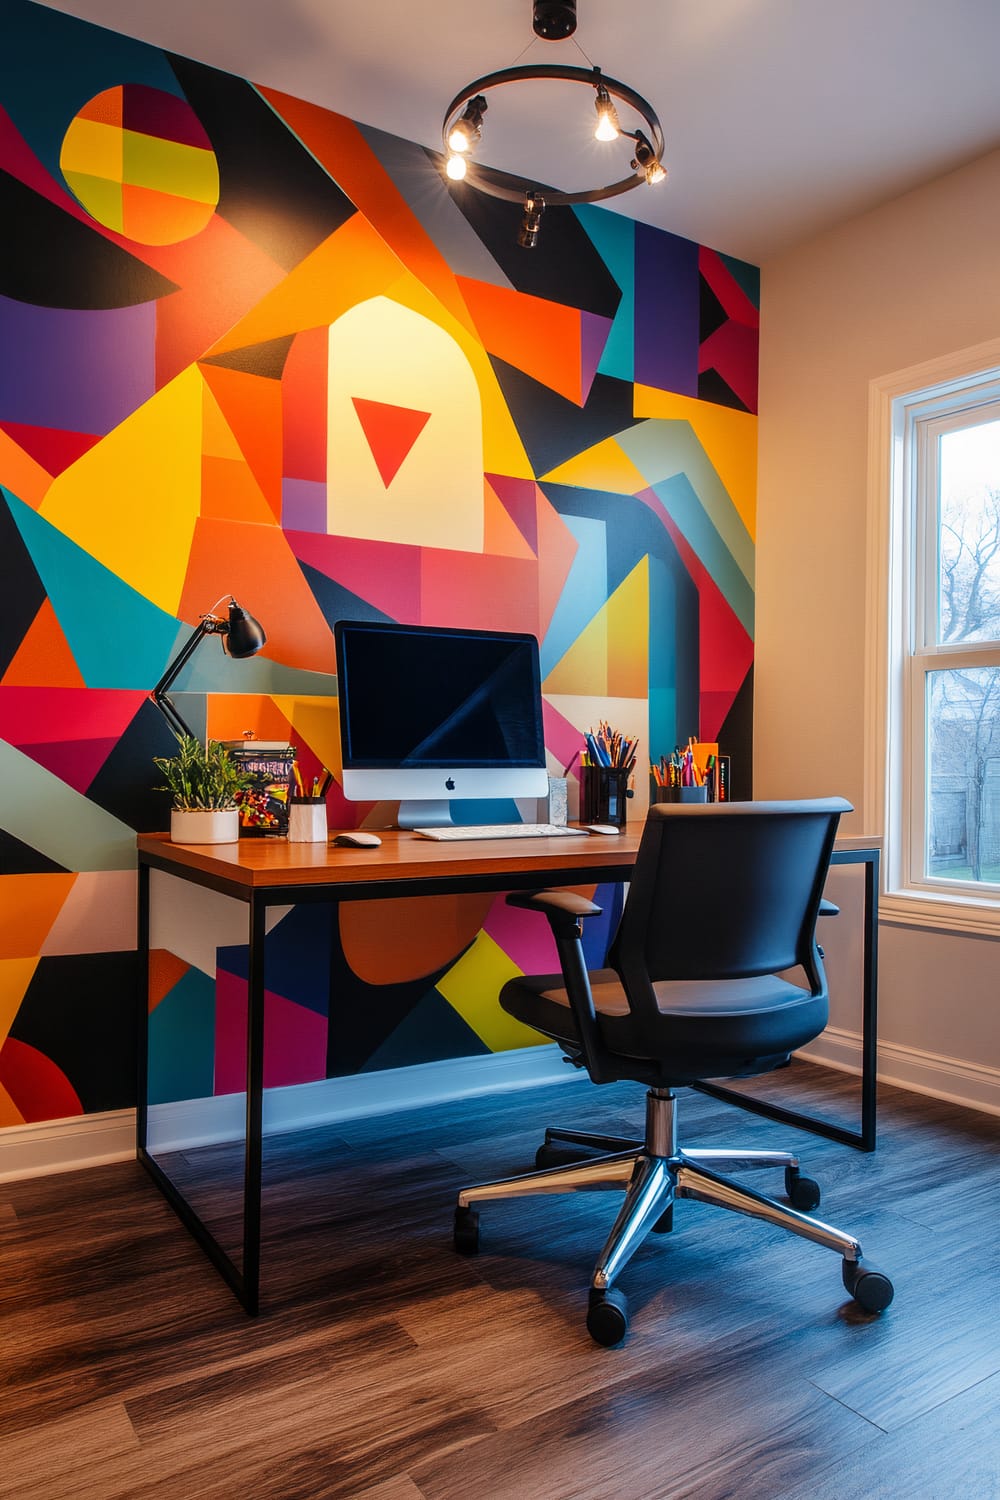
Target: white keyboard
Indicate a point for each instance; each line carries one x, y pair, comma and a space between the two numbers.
499, 831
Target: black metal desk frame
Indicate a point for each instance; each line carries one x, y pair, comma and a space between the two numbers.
245, 1283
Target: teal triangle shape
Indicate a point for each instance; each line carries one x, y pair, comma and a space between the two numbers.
123, 642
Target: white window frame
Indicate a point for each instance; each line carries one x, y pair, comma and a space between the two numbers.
907, 411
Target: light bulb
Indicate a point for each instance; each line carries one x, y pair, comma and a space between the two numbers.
458, 140
655, 172
607, 116
456, 168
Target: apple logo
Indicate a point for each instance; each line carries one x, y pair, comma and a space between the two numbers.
450, 784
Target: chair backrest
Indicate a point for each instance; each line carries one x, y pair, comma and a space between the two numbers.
724, 891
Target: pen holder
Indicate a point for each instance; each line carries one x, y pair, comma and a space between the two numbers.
307, 820
603, 795
679, 793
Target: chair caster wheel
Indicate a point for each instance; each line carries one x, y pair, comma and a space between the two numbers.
869, 1287
466, 1231
607, 1316
802, 1192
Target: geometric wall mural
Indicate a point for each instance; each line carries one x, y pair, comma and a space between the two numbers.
254, 348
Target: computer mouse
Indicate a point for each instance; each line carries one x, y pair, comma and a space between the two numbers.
602, 828
357, 839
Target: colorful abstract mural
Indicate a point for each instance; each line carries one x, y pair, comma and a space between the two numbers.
253, 348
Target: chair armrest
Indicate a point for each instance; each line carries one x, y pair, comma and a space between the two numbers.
554, 904
564, 912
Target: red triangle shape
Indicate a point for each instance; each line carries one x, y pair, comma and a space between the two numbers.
54, 449
391, 432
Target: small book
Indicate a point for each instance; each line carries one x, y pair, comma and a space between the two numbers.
264, 804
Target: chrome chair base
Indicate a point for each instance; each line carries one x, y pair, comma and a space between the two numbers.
652, 1174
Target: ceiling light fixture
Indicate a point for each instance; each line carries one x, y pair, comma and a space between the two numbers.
462, 128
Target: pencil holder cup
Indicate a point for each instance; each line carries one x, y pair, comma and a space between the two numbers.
307, 821
558, 800
604, 794
681, 794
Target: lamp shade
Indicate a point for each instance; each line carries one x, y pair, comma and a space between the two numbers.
245, 635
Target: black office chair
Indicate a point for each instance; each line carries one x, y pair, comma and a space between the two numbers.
722, 905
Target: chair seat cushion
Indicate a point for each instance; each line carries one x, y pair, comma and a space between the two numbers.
756, 1023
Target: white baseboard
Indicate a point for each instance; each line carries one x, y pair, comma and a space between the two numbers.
959, 1082
94, 1140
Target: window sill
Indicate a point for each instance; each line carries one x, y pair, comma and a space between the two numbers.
978, 918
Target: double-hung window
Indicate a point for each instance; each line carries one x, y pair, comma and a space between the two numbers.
936, 637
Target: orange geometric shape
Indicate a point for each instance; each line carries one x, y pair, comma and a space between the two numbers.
30, 906
339, 145
256, 561
391, 432
541, 338
219, 275
501, 534
349, 267
44, 658
229, 492
251, 406
22, 474
230, 715
427, 934
165, 970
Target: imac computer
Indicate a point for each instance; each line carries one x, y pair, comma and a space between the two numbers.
430, 714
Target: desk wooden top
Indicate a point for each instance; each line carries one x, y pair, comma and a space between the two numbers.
274, 862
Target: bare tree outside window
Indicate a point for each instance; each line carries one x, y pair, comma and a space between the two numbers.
963, 703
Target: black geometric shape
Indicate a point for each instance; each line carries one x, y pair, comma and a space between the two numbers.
563, 267
736, 740
271, 190
17, 858
433, 1031
363, 1016
712, 387
337, 602
50, 259
20, 588
553, 429
79, 1011
711, 313
266, 359
124, 784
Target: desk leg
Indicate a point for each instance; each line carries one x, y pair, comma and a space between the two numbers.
863, 1139
243, 1279
255, 1107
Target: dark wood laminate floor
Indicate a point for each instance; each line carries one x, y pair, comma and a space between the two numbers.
385, 1367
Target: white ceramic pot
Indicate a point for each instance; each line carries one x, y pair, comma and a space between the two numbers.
204, 825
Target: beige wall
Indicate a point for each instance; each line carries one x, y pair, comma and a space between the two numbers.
917, 278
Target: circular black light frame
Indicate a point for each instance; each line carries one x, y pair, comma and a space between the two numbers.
505, 184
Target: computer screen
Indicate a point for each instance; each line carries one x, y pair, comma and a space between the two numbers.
431, 714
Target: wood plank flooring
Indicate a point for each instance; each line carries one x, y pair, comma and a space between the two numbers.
385, 1367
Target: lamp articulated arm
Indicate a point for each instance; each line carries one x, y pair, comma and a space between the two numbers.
245, 638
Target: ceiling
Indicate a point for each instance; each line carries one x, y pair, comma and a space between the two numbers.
781, 117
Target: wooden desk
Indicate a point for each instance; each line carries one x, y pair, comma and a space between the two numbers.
264, 873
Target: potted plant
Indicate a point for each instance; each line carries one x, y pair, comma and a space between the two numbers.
204, 782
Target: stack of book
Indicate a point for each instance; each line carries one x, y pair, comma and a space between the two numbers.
264, 805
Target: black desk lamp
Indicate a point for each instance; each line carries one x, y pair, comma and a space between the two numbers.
241, 635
